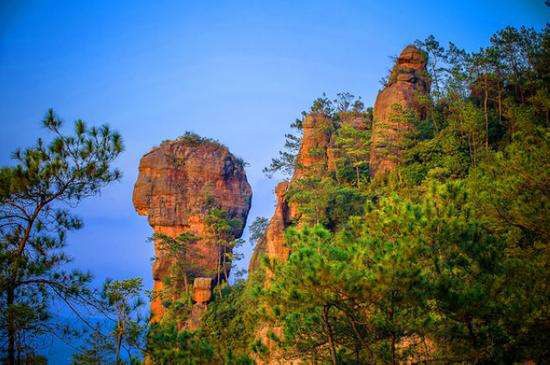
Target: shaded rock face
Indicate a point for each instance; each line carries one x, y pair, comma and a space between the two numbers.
178, 183
354, 119
273, 244
408, 80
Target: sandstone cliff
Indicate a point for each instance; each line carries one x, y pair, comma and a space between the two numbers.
178, 183
318, 154
408, 80
316, 158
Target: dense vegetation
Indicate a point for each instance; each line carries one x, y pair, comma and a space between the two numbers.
35, 196
445, 259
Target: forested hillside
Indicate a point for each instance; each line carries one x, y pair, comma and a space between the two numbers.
415, 230
444, 257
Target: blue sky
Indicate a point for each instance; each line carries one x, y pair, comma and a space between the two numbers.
236, 71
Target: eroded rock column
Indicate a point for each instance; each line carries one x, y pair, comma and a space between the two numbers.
408, 81
178, 183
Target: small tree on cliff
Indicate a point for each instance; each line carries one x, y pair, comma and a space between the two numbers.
354, 151
221, 229
180, 273
34, 223
122, 298
286, 160
257, 229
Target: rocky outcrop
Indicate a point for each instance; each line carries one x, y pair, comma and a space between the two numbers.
408, 80
312, 158
202, 293
273, 243
312, 161
178, 183
318, 156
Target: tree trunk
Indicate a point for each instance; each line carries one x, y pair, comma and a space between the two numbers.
120, 331
330, 335
500, 105
117, 353
485, 100
11, 326
225, 264
393, 355
393, 339
186, 283
359, 339
218, 274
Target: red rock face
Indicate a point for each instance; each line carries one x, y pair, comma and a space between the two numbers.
274, 236
407, 81
178, 183
316, 158
312, 160
312, 157
317, 155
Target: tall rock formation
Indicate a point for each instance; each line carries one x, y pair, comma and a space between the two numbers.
407, 81
318, 156
178, 183
312, 157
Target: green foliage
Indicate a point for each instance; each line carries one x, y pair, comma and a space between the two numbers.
257, 229
34, 224
229, 324
285, 163
178, 281
98, 350
445, 259
286, 160
193, 139
167, 345
221, 229
353, 152
121, 303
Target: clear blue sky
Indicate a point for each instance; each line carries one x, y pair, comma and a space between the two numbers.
237, 71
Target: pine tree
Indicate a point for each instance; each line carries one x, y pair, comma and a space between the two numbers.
34, 225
